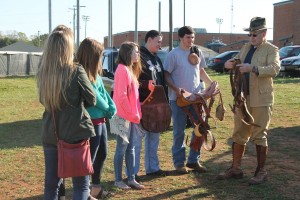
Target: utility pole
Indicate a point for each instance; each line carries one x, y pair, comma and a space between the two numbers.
50, 17
171, 25
159, 16
136, 39
39, 40
183, 12
78, 24
74, 18
110, 42
86, 19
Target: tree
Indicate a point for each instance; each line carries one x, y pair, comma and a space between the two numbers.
39, 41
5, 41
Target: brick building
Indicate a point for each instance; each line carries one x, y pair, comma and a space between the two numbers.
286, 31
286, 23
202, 39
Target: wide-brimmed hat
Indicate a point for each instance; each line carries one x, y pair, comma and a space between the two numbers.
257, 24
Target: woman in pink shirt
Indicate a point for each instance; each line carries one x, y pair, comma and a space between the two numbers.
125, 124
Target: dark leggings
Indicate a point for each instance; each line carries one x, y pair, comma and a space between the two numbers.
98, 151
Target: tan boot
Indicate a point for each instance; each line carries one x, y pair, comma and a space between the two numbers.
235, 170
261, 174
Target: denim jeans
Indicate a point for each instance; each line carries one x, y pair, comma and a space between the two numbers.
151, 147
99, 150
178, 148
52, 181
127, 149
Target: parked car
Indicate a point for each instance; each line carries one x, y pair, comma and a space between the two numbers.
217, 63
289, 51
109, 66
291, 65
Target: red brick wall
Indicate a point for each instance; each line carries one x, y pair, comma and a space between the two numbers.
286, 23
202, 39
286, 31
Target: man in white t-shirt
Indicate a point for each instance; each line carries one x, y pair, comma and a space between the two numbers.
181, 76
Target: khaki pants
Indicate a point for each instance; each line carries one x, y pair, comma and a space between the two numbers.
242, 133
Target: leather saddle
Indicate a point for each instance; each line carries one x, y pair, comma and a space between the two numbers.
202, 108
156, 111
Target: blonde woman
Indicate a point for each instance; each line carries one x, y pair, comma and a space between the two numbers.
64, 89
126, 122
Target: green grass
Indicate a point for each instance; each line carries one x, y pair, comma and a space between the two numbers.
22, 161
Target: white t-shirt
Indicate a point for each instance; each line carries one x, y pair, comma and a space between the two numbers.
183, 74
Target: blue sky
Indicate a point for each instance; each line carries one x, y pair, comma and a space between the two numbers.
31, 16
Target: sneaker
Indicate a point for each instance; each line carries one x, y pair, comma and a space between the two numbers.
181, 170
136, 185
121, 185
158, 173
197, 167
137, 178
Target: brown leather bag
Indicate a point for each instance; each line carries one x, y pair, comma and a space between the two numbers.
156, 111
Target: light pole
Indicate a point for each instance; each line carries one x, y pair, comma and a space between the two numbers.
219, 21
183, 12
50, 15
85, 18
110, 39
136, 36
170, 25
39, 40
74, 18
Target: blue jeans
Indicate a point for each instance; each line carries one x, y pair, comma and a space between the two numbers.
52, 181
178, 148
151, 147
127, 149
99, 149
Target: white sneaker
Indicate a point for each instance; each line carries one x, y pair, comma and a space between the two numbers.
136, 185
121, 185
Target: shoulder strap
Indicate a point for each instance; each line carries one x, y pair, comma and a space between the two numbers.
54, 123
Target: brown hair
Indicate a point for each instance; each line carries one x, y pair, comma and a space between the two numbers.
89, 55
124, 57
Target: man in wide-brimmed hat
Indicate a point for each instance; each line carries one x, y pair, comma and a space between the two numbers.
259, 65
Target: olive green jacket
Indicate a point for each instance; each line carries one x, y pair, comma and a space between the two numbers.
266, 59
73, 121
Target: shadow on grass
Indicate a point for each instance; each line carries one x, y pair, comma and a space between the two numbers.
21, 134
282, 165
282, 140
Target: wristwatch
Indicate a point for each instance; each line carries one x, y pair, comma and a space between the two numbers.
255, 70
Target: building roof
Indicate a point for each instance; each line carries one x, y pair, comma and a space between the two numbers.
21, 47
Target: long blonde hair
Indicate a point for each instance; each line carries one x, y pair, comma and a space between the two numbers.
56, 68
89, 55
124, 57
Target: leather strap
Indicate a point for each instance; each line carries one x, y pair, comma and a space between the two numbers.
201, 110
239, 90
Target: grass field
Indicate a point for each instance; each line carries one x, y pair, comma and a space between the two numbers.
22, 162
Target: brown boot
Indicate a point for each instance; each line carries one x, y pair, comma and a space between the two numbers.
261, 174
235, 170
